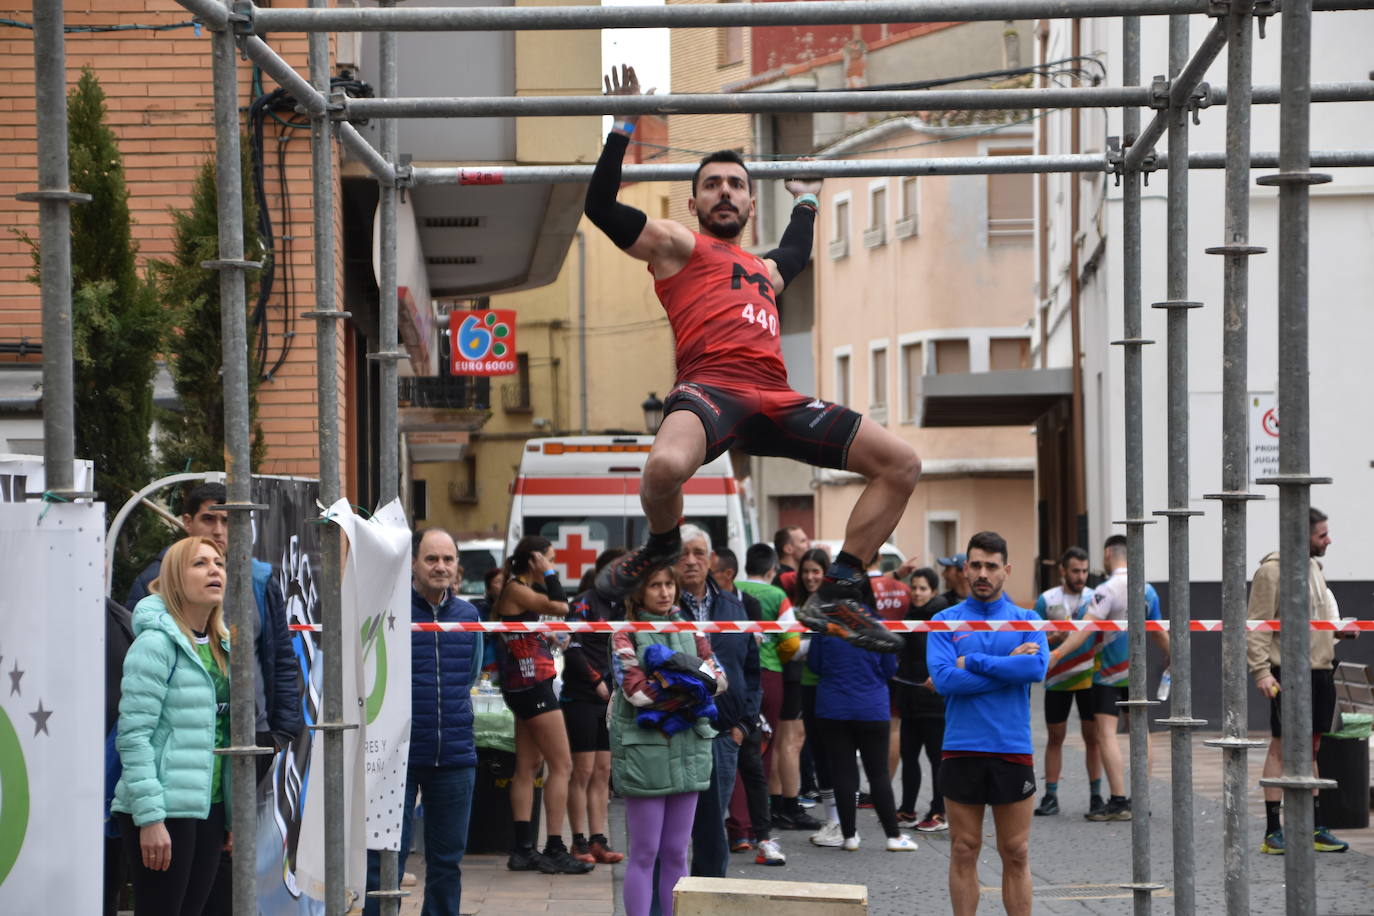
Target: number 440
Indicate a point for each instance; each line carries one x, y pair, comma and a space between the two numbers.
760, 316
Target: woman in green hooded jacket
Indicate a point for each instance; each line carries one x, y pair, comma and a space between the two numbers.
660, 775
173, 713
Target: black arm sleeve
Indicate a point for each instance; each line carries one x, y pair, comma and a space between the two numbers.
554, 588
794, 250
621, 223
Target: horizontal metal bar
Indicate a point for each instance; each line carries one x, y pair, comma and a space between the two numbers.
358, 145
285, 75
855, 168
715, 15
211, 12
748, 102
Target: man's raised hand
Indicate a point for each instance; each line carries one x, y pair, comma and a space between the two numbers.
623, 83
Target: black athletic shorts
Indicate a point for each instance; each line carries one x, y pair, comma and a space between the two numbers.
985, 780
1323, 704
791, 701
772, 423
1059, 702
1105, 699
535, 701
585, 722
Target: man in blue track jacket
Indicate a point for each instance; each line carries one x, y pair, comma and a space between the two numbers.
985, 677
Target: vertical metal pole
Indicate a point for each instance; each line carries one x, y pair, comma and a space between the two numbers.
238, 470
1234, 458
1137, 706
1181, 721
54, 239
388, 343
326, 314
1294, 496
387, 335
582, 331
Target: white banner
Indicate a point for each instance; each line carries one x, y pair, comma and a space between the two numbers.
376, 593
52, 707
311, 847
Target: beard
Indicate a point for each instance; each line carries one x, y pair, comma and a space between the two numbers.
724, 224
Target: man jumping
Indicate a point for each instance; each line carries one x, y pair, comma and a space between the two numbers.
732, 388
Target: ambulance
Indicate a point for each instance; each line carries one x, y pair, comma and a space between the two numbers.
582, 493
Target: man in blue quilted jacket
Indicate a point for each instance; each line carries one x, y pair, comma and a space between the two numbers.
443, 753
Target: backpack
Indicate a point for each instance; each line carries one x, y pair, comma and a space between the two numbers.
114, 767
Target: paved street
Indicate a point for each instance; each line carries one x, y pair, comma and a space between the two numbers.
1077, 865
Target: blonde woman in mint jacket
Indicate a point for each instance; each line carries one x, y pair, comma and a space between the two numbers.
173, 713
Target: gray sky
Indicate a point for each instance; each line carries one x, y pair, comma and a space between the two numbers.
644, 49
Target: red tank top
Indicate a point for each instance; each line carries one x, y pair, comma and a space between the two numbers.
892, 597
725, 318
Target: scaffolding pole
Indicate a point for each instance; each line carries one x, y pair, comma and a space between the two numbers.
722, 15
239, 602
54, 200
1294, 480
1180, 88
1236, 251
877, 100
1136, 707
1180, 722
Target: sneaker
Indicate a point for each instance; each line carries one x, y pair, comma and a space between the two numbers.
802, 821
525, 859
1273, 843
864, 801
934, 823
899, 843
829, 835
850, 620
907, 820
781, 820
851, 843
1323, 841
1049, 806
1095, 806
408, 879
626, 574
741, 846
806, 801
769, 853
561, 862
1116, 810
582, 852
604, 854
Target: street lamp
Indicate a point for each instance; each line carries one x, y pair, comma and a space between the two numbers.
653, 413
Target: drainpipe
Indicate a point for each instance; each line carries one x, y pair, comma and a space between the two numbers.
582, 330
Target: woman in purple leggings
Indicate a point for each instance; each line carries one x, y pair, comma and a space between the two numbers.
659, 769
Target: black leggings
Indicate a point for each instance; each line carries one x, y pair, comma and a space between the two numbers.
928, 733
184, 887
813, 737
841, 739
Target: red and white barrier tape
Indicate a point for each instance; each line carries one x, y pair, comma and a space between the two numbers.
900, 626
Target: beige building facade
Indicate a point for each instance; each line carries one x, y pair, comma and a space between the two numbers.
923, 276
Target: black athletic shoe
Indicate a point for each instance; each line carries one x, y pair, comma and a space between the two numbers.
1096, 804
526, 859
626, 574
803, 821
561, 862
781, 820
1049, 806
850, 587
1114, 810
851, 621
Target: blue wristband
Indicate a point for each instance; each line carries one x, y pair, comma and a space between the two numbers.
626, 127
808, 200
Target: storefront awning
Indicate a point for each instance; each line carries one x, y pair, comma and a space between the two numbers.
1014, 398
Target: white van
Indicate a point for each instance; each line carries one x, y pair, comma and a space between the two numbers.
582, 493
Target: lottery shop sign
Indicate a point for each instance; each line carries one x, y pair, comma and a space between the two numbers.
482, 342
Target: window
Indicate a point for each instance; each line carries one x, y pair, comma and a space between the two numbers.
876, 233
419, 500
1006, 353
942, 534
1010, 205
463, 489
877, 382
515, 396
839, 239
951, 356
908, 223
842, 376
912, 368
